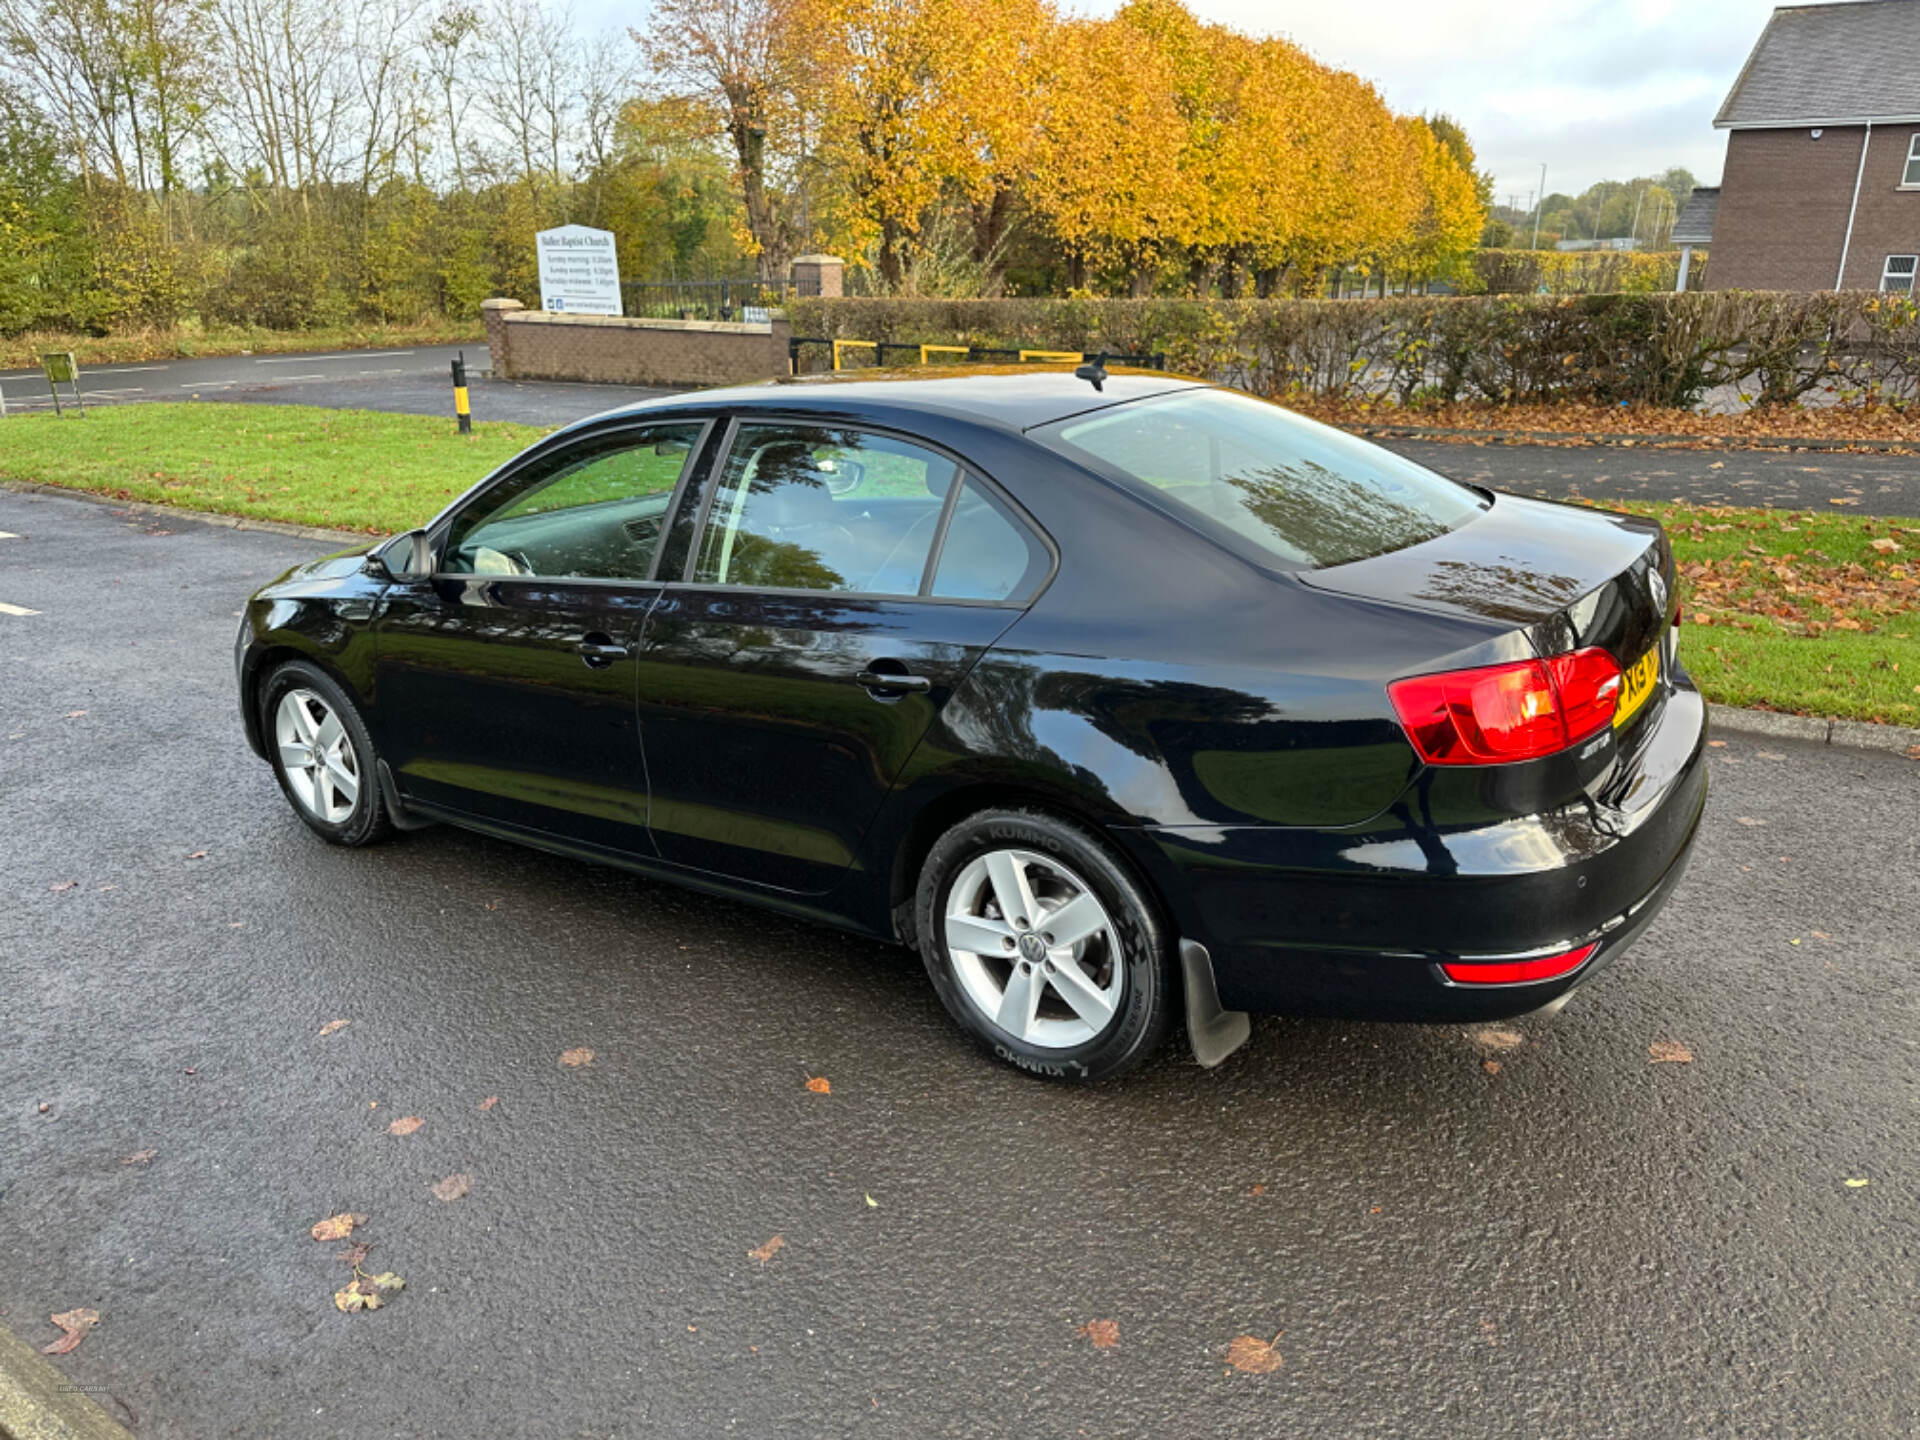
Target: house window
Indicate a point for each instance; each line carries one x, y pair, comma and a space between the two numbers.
1912, 176
1898, 276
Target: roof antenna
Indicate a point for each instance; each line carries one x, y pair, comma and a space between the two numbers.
1094, 371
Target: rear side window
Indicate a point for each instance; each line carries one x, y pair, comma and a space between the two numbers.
987, 554
1266, 482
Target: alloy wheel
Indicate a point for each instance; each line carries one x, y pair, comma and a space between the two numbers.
1034, 949
317, 756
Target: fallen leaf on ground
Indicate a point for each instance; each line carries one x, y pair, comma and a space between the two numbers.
405, 1125
1254, 1356
1257, 1191
489, 1102
1492, 1067
453, 1187
60, 885
1853, 1183
1103, 1334
766, 1252
73, 714
355, 1253
574, 1059
1668, 1052
337, 1227
139, 1157
1884, 545
1498, 1039
1749, 820
367, 1292
76, 1323
872, 1203
45, 1107
198, 855
1820, 935
1717, 744
333, 1025
819, 1086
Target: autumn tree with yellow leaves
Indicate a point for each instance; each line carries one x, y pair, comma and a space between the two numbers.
1146, 152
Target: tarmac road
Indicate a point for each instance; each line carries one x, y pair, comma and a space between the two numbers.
1582, 1243
409, 381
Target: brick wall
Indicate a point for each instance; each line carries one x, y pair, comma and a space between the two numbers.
541, 345
1784, 202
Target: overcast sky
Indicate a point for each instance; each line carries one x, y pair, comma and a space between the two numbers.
1603, 90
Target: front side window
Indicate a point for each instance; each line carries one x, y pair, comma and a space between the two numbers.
1912, 176
1897, 278
805, 507
592, 511
1263, 481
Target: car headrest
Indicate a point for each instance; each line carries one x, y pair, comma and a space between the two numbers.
940, 477
788, 489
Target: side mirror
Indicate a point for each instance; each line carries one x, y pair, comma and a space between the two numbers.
405, 557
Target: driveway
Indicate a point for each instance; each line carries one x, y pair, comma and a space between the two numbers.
1450, 1233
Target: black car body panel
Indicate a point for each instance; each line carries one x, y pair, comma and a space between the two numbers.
1227, 725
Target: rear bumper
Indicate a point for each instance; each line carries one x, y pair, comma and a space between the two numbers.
1357, 922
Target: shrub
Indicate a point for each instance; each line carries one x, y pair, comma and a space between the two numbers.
1651, 349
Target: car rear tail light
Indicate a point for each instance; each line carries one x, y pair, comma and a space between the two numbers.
1589, 686
1519, 972
1497, 714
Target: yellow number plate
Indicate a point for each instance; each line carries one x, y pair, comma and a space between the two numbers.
1636, 685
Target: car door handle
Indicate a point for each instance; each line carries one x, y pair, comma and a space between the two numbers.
599, 651
888, 680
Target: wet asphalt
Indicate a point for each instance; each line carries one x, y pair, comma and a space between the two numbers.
1580, 1243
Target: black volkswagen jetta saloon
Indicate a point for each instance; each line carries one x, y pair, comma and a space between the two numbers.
1117, 696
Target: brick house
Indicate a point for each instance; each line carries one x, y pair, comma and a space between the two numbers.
1821, 189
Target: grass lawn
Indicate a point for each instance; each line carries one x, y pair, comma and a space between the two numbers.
1814, 613
351, 469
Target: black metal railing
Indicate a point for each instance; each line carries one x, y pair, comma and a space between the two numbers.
874, 354
736, 299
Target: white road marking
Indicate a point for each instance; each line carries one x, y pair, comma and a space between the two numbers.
8, 535
6, 609
123, 390
208, 384
342, 355
397, 370
123, 369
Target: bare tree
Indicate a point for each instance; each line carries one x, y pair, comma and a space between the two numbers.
744, 59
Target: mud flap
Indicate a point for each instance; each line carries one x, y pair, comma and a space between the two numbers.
403, 818
1215, 1033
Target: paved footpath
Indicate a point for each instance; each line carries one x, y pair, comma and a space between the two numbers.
1444, 1250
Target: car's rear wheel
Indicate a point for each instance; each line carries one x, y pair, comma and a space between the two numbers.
1044, 947
322, 755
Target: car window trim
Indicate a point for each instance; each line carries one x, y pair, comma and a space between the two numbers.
443, 525
965, 471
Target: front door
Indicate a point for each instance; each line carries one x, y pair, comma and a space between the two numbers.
505, 684
822, 625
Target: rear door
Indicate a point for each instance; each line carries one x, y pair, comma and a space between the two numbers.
839, 584
505, 686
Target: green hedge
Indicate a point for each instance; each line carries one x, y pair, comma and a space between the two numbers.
1767, 349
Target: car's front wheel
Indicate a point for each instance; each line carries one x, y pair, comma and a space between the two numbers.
1044, 947
322, 754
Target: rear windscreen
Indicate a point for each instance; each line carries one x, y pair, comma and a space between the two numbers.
1265, 481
